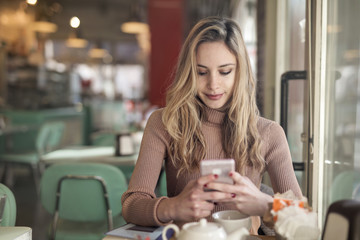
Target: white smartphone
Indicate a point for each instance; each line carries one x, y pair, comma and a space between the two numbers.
221, 167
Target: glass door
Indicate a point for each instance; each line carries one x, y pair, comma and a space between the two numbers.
336, 95
319, 48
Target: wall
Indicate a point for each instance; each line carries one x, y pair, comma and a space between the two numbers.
166, 27
270, 77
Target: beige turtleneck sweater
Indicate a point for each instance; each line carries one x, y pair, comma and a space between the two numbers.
140, 202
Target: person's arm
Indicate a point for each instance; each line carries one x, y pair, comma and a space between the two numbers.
246, 196
139, 201
279, 162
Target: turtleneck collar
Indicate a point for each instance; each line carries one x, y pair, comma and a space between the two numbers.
214, 116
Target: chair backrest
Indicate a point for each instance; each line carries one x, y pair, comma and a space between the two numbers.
345, 185
9, 208
49, 136
342, 221
83, 188
266, 189
162, 185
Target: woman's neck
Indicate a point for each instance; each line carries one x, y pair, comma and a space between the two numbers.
214, 115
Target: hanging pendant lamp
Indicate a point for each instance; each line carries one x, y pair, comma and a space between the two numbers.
43, 13
135, 23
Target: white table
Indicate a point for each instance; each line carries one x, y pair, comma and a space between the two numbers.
88, 154
253, 237
15, 233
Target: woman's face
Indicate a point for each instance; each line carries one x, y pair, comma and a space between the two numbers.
216, 67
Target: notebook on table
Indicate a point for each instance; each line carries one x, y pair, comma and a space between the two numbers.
132, 231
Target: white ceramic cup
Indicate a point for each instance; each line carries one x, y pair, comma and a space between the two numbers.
232, 220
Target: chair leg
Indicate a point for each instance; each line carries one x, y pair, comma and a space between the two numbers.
8, 175
2, 172
36, 175
42, 168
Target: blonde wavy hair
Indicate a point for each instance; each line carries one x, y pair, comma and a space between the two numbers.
184, 111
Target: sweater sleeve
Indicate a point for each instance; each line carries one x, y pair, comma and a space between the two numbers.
139, 202
279, 162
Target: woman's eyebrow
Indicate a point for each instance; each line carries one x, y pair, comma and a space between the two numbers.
202, 66
223, 65
227, 64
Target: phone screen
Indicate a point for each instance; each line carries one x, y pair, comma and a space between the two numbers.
221, 167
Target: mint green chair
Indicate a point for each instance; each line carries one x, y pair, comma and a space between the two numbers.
84, 199
103, 139
48, 139
344, 185
7, 207
162, 186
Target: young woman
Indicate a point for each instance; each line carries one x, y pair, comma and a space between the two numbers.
210, 113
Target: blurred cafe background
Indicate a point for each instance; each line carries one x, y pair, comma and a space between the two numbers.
79, 78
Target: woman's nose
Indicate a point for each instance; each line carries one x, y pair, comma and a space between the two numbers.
213, 82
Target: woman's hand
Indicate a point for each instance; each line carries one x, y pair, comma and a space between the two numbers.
245, 195
192, 203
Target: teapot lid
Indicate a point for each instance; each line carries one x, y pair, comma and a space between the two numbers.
204, 226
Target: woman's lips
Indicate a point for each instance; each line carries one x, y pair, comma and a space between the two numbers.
214, 96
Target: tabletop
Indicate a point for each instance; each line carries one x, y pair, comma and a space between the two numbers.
9, 130
103, 154
10, 233
252, 237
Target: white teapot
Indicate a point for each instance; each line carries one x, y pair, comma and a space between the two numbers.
204, 230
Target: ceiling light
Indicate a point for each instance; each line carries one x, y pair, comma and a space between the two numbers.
44, 27
135, 23
97, 53
76, 43
31, 2
135, 27
75, 22
43, 14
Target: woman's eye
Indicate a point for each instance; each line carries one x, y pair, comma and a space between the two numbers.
225, 72
201, 73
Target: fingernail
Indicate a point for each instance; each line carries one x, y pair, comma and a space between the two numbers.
205, 185
233, 195
216, 176
230, 174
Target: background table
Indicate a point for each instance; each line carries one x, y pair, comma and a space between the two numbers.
95, 154
88, 154
10, 233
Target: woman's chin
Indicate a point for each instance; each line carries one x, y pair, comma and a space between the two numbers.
215, 106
